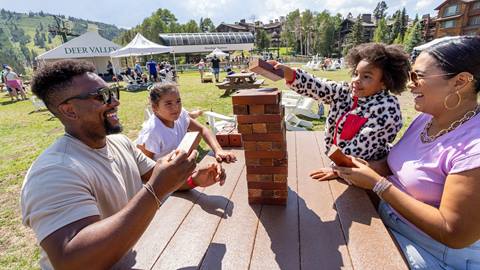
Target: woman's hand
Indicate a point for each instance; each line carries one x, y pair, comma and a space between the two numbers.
209, 175
362, 176
225, 156
324, 174
289, 73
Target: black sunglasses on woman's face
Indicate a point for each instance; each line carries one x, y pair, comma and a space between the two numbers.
104, 94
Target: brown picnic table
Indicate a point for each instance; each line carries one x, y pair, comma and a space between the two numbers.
236, 81
325, 225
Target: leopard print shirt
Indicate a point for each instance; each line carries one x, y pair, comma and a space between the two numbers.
382, 110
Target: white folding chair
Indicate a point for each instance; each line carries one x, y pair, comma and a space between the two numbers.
293, 123
38, 103
219, 122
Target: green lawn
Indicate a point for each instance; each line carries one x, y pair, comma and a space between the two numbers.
24, 134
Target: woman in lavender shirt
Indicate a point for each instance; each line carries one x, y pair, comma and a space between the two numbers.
430, 182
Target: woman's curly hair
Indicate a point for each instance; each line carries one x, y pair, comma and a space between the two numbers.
391, 59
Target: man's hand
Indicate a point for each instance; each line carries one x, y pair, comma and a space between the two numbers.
209, 175
324, 174
225, 156
170, 173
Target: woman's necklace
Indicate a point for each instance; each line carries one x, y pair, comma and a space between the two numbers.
467, 116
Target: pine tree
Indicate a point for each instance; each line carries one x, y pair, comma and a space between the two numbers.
414, 37
379, 11
381, 32
355, 37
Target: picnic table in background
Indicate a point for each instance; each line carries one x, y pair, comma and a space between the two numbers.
238, 81
325, 225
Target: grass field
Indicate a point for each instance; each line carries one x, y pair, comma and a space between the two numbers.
24, 134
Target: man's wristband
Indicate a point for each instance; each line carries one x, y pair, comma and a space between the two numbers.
190, 182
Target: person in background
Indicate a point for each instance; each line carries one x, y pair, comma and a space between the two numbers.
15, 83
11, 92
138, 69
430, 182
216, 67
152, 69
110, 68
201, 68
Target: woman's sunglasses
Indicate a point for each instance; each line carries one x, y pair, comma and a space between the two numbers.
415, 77
104, 94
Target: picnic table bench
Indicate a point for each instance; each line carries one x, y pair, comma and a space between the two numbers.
238, 81
325, 225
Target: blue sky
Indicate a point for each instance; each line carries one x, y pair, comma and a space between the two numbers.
132, 12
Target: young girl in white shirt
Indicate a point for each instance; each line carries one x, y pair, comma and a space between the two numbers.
166, 127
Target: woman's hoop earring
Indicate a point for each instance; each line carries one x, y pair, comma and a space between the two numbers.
456, 105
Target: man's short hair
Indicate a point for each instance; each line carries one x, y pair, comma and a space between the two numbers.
54, 77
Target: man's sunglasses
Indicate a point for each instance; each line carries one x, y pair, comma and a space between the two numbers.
104, 94
415, 77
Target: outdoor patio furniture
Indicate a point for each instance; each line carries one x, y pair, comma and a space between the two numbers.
238, 81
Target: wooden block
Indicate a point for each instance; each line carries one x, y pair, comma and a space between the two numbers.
280, 178
272, 109
255, 109
259, 128
250, 146
266, 118
265, 154
280, 193
254, 193
240, 109
256, 96
235, 139
267, 193
267, 185
339, 158
260, 178
279, 162
272, 201
266, 170
223, 139
274, 127
273, 137
189, 142
252, 161
266, 162
263, 146
278, 146
265, 69
245, 129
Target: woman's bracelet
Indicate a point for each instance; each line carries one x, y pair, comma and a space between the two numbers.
150, 190
380, 187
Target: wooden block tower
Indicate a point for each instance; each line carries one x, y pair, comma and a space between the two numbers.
260, 121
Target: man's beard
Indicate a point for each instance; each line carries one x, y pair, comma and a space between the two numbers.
109, 129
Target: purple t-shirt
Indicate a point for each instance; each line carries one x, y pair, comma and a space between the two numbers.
420, 169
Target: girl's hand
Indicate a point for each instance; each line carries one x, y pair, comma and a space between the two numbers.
289, 73
363, 176
324, 174
224, 156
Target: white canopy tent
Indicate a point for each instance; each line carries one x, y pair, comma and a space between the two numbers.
217, 52
140, 46
89, 46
